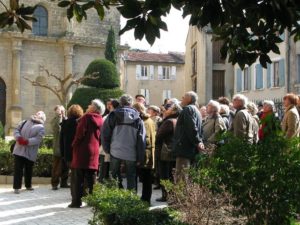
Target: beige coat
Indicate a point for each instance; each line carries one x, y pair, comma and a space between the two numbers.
243, 126
212, 126
290, 123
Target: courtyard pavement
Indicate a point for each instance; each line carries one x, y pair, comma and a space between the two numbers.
44, 206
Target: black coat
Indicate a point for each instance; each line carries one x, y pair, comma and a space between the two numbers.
67, 134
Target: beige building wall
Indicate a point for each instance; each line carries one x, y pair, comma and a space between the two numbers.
68, 48
201, 80
132, 85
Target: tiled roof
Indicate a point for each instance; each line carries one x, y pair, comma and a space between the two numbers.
171, 57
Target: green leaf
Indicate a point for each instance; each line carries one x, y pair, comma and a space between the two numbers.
100, 10
64, 4
139, 31
130, 24
70, 13
78, 12
14, 4
264, 59
29, 10
31, 18
88, 5
130, 9
4, 19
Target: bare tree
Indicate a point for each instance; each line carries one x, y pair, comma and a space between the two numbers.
63, 84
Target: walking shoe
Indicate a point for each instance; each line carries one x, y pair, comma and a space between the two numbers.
17, 191
162, 199
157, 187
30, 189
54, 188
65, 186
72, 205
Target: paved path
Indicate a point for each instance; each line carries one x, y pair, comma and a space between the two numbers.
43, 206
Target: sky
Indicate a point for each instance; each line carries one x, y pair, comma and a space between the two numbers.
173, 40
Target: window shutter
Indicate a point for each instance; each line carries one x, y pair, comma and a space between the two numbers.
138, 72
147, 96
269, 75
259, 76
160, 72
238, 80
173, 73
169, 93
151, 68
281, 73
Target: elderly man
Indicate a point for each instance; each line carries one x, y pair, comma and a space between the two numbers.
86, 151
187, 137
124, 137
242, 125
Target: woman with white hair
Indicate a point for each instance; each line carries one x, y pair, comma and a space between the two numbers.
253, 110
214, 124
85, 146
29, 134
269, 122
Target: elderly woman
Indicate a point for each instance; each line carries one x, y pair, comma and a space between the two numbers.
290, 122
268, 120
164, 138
148, 166
29, 134
214, 124
253, 110
225, 114
85, 147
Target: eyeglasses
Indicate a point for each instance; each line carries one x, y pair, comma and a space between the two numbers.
167, 106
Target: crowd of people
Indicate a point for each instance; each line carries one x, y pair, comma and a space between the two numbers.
127, 139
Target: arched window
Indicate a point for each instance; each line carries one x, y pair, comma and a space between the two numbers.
40, 93
40, 27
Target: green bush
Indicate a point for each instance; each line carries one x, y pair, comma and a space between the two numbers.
106, 71
114, 206
42, 166
84, 96
262, 179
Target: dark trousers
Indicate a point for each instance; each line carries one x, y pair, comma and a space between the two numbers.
22, 164
78, 179
60, 172
103, 169
146, 179
166, 169
130, 172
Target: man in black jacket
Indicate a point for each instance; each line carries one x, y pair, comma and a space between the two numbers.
188, 136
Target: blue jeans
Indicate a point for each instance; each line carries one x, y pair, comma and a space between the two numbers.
115, 164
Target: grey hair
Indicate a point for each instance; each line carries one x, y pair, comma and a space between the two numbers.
126, 100
99, 105
215, 105
193, 96
176, 107
252, 108
271, 104
242, 98
174, 101
224, 109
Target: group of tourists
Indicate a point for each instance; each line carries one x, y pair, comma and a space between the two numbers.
127, 139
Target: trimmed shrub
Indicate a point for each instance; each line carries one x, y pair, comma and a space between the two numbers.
84, 96
114, 206
106, 71
42, 167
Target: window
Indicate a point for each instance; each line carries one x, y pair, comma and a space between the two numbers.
40, 27
166, 72
167, 94
144, 72
217, 57
259, 78
40, 93
146, 93
247, 79
276, 74
194, 60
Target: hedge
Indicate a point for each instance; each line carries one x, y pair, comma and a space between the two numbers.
42, 167
84, 96
106, 71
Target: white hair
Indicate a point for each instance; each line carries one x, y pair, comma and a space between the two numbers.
224, 109
193, 95
242, 98
99, 105
215, 105
252, 108
270, 104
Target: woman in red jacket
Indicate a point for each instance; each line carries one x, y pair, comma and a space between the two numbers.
86, 151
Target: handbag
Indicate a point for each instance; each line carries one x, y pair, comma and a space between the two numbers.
13, 143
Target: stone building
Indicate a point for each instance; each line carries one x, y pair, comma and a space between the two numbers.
205, 72
54, 43
155, 75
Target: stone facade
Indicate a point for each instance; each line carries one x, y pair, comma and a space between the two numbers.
153, 85
205, 72
67, 48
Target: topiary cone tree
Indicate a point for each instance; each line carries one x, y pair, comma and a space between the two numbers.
105, 86
110, 47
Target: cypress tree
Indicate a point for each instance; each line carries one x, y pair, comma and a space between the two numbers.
110, 48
